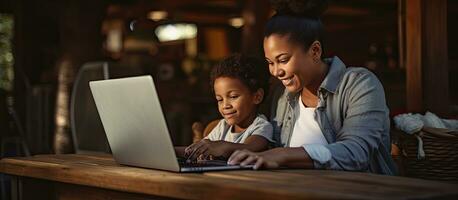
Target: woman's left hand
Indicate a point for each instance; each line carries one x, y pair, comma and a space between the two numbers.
267, 159
274, 158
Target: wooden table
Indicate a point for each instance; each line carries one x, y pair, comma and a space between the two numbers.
74, 176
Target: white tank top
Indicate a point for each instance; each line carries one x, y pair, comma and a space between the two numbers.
306, 129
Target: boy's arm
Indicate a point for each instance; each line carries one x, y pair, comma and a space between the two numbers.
253, 143
222, 148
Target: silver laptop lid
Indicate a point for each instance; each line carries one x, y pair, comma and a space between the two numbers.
134, 123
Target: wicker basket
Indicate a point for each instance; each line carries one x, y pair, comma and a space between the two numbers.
440, 161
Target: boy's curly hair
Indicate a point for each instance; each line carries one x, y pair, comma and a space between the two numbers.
251, 71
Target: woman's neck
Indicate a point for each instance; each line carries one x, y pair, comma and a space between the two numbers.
309, 93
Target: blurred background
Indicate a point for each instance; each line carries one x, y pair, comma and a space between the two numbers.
49, 50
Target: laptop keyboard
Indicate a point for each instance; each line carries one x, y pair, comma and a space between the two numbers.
203, 163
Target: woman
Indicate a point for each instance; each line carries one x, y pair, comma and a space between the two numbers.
330, 116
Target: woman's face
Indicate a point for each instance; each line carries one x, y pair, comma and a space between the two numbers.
294, 66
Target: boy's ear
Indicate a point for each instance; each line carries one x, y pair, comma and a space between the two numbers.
258, 96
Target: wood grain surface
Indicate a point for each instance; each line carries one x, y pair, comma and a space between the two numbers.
101, 171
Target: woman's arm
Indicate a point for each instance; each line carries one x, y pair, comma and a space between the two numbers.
274, 158
365, 123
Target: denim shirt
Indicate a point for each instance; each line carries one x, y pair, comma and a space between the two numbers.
353, 117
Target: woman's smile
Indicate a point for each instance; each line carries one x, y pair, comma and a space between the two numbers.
287, 81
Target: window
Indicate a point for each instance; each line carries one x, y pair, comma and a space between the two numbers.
6, 52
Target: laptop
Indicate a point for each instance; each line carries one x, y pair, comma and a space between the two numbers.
136, 129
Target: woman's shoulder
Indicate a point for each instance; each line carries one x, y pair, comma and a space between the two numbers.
359, 83
358, 77
358, 71
341, 77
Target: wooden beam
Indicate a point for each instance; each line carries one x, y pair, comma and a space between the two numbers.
427, 56
413, 55
435, 55
401, 30
255, 14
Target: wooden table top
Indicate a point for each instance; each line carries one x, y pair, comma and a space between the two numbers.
101, 171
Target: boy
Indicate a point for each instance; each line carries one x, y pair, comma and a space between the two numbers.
239, 83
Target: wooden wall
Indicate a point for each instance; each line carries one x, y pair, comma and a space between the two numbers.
427, 56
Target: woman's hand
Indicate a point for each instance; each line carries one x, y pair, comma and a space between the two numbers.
267, 159
205, 149
274, 158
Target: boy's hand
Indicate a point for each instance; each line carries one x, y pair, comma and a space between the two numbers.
206, 148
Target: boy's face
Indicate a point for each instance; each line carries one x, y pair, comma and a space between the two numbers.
236, 103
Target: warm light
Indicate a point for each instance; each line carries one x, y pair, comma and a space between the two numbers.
236, 22
170, 32
157, 15
61, 119
114, 40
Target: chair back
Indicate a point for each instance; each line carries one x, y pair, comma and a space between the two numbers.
87, 131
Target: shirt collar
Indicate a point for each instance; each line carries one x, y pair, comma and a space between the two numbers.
335, 72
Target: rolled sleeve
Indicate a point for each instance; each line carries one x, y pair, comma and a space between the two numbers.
320, 155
